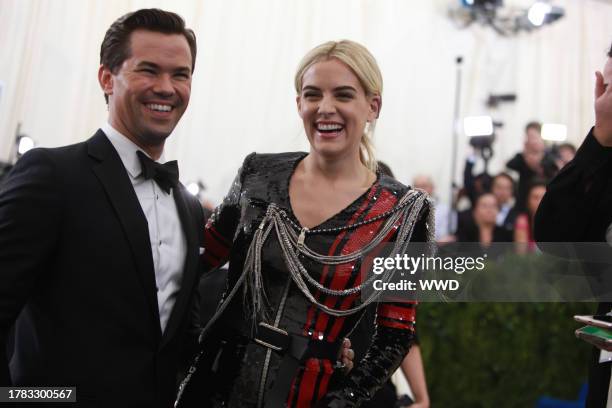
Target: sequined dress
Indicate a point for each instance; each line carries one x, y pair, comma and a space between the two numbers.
233, 370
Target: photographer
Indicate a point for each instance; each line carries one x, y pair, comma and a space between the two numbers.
528, 163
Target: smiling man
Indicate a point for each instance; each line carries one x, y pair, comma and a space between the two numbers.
99, 243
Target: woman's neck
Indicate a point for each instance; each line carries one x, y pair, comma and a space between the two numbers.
338, 169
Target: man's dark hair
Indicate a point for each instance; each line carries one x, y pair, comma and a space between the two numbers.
536, 182
534, 125
610, 52
115, 47
505, 175
568, 146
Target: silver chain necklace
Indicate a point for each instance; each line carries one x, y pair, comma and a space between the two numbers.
292, 244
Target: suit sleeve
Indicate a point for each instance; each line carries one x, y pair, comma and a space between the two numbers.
395, 333
570, 206
30, 214
194, 320
516, 163
221, 226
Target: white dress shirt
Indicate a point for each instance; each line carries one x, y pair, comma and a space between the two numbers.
168, 242
502, 214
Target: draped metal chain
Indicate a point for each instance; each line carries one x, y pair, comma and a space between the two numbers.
292, 245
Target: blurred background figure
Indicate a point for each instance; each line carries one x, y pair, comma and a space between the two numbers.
485, 229
502, 188
443, 216
566, 153
523, 229
474, 185
528, 162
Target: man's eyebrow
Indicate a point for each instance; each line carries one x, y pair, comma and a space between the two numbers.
185, 70
149, 64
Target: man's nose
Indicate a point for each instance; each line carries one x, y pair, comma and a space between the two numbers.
163, 85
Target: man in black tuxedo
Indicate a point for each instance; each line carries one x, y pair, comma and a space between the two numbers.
577, 207
99, 243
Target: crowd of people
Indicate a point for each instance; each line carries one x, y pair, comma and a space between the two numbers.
501, 207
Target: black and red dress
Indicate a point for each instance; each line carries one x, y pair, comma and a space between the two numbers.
287, 356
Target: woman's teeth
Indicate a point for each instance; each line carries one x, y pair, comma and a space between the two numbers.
328, 127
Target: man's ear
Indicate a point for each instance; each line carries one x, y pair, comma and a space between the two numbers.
105, 78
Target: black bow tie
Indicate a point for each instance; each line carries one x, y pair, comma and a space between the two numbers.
165, 175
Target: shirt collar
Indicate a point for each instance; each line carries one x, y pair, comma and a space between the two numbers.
126, 150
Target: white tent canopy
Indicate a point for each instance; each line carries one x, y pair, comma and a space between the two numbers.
242, 95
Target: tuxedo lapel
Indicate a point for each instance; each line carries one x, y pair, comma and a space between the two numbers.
116, 182
188, 223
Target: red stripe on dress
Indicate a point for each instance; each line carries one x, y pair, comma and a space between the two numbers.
307, 385
395, 324
344, 272
328, 370
312, 309
359, 239
224, 241
305, 394
394, 311
216, 247
341, 276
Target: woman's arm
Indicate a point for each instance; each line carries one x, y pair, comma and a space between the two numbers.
221, 226
412, 367
521, 234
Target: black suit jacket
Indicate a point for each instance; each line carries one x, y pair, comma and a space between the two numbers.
77, 277
577, 207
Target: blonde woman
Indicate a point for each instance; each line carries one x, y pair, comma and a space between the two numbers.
295, 228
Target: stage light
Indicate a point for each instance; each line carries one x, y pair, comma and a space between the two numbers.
506, 21
193, 188
478, 126
554, 132
24, 143
537, 13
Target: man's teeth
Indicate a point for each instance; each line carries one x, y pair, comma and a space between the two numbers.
158, 107
328, 127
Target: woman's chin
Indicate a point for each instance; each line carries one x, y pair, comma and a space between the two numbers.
329, 151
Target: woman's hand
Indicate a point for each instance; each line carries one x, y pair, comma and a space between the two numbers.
347, 355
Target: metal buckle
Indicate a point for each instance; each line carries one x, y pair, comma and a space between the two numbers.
270, 327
